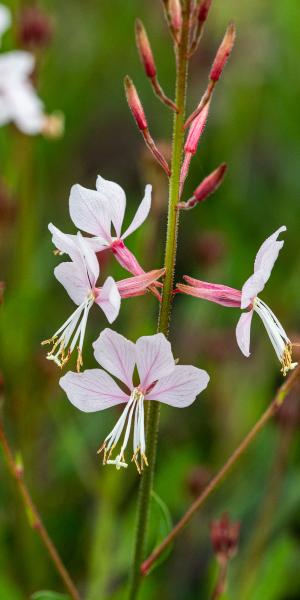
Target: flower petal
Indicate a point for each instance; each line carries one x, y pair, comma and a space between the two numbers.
89, 211
251, 289
116, 354
221, 294
243, 332
74, 279
89, 259
141, 213
181, 387
116, 201
154, 358
92, 390
64, 242
109, 299
268, 253
136, 286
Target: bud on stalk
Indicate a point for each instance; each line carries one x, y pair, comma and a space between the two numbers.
190, 148
207, 187
203, 11
139, 116
223, 53
174, 9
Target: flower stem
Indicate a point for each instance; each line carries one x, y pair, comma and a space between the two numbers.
232, 460
153, 408
35, 519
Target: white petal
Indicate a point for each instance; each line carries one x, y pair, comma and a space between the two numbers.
89, 259
74, 279
268, 249
154, 358
92, 390
141, 213
116, 201
89, 211
181, 387
116, 354
109, 299
251, 289
16, 66
243, 332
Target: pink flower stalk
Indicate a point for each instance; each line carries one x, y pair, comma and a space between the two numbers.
223, 53
160, 379
95, 212
207, 187
79, 277
190, 148
248, 298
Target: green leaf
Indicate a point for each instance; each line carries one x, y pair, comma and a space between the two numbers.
48, 595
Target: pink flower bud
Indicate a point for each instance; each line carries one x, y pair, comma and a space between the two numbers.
144, 49
224, 538
203, 10
208, 185
196, 129
35, 28
223, 53
175, 13
134, 104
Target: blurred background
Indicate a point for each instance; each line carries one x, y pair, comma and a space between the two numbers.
85, 51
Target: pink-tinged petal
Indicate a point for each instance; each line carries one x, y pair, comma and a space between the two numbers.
89, 259
64, 242
141, 213
125, 258
136, 286
116, 198
181, 387
89, 211
220, 294
109, 299
74, 279
92, 390
264, 251
243, 332
154, 358
251, 288
116, 354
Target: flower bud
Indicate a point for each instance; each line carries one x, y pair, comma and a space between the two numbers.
223, 53
224, 538
203, 10
175, 14
206, 187
134, 104
35, 28
196, 129
144, 49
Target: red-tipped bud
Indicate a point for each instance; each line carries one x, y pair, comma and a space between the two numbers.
134, 104
144, 49
196, 129
210, 184
203, 10
175, 14
224, 537
223, 53
35, 28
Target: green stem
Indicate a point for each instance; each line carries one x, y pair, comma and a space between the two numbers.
153, 409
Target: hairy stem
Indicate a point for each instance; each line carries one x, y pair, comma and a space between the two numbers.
16, 472
232, 460
167, 293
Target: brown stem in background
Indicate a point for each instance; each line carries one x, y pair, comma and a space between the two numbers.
221, 584
16, 471
232, 460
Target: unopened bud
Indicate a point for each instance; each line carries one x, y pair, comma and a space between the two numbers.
35, 28
223, 53
134, 104
224, 537
175, 14
196, 129
144, 49
207, 187
54, 125
203, 10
